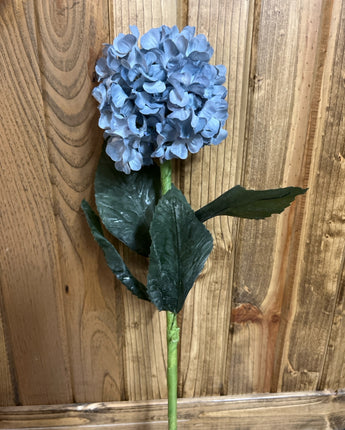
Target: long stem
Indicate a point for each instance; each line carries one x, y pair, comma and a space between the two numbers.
173, 332
173, 336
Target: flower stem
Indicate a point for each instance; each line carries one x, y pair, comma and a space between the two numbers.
166, 176
173, 332
173, 335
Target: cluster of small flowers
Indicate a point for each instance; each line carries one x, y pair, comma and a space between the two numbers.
159, 100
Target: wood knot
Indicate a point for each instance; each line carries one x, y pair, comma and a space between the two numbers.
246, 312
275, 318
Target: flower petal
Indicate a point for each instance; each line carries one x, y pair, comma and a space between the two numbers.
151, 39
154, 87
135, 31
124, 43
178, 150
195, 144
118, 95
114, 148
220, 137
177, 98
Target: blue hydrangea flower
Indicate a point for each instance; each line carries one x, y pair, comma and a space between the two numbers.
161, 99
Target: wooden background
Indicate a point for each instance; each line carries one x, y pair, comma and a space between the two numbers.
267, 313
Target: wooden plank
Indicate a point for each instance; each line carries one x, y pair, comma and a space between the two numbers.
7, 384
291, 411
146, 14
29, 265
284, 63
317, 302
333, 372
206, 316
71, 37
144, 358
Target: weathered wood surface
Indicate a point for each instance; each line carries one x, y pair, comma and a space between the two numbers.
32, 306
286, 78
291, 411
267, 313
316, 309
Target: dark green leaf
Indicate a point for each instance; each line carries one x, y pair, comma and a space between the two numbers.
180, 247
126, 203
244, 203
112, 257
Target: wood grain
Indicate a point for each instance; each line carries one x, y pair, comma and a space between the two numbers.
71, 37
318, 299
30, 269
291, 411
332, 130
283, 73
7, 386
267, 313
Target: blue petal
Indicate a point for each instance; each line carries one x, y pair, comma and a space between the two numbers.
118, 96
145, 104
150, 58
136, 162
100, 94
221, 136
198, 123
115, 148
219, 91
119, 126
178, 150
135, 31
147, 110
178, 99
151, 39
199, 49
188, 32
195, 144
134, 58
156, 72
124, 43
215, 107
105, 120
211, 129
154, 87
102, 70
221, 73
178, 78
158, 153
167, 131
127, 108
181, 44
180, 114
122, 167
170, 48
132, 124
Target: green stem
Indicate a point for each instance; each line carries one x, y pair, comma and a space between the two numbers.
173, 335
173, 332
166, 176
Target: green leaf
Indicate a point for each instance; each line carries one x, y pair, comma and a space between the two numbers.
126, 203
112, 257
243, 203
180, 247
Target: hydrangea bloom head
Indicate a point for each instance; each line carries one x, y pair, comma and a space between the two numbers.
160, 100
